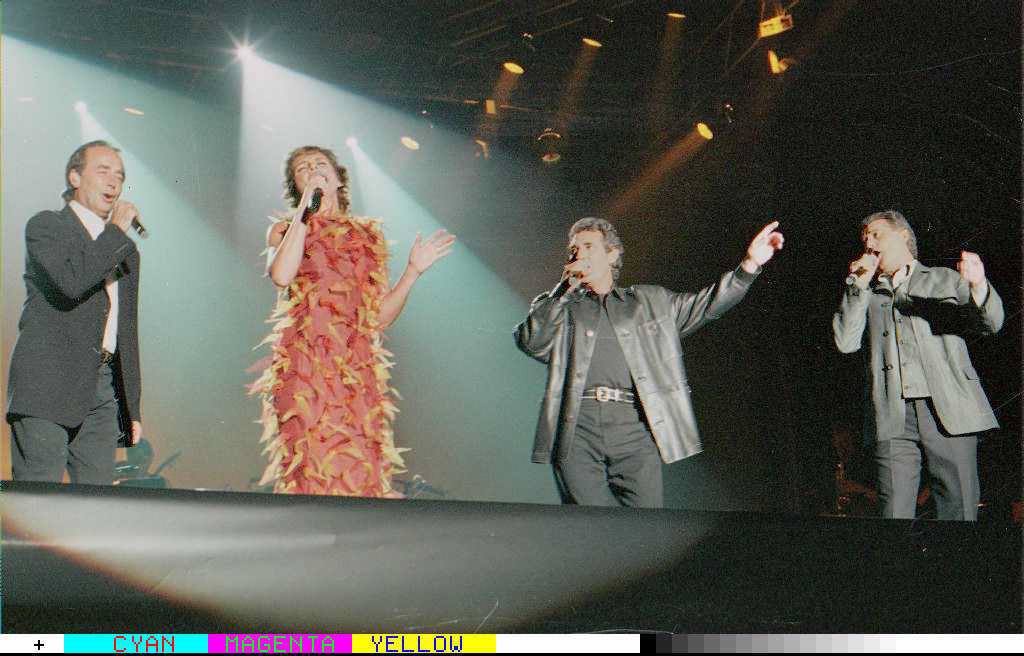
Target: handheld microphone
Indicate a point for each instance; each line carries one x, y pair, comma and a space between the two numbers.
314, 204
861, 270
574, 255
140, 229
575, 278
852, 278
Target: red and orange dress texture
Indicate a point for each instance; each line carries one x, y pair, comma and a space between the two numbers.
327, 404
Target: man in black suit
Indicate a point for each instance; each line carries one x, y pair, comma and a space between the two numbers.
75, 368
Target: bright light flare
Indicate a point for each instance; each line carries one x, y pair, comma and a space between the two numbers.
245, 52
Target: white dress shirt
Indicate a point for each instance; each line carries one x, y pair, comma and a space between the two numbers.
95, 225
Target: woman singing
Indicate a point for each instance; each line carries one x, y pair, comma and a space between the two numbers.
327, 407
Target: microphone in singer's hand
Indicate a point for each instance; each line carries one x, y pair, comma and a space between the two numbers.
581, 273
852, 278
139, 228
861, 270
314, 204
573, 277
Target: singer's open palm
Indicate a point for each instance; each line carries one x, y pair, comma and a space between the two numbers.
425, 252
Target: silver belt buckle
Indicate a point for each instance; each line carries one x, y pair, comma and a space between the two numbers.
605, 394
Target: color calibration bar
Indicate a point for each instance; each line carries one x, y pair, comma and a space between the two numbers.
429, 643
317, 643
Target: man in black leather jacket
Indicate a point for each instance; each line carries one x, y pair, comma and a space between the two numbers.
617, 403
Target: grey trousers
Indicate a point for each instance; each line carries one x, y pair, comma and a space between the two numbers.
613, 460
41, 449
952, 463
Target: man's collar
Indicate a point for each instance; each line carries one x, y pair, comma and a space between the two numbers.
904, 272
84, 213
890, 282
617, 292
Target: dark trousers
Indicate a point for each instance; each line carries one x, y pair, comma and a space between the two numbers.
613, 460
952, 463
41, 449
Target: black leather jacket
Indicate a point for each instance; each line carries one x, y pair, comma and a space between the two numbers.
560, 332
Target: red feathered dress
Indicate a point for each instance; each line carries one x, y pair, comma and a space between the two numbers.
327, 403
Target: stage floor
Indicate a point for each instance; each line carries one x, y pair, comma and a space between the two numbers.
90, 559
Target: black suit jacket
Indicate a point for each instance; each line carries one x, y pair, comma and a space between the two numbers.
60, 334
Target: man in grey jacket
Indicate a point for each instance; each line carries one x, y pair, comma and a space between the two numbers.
617, 403
924, 391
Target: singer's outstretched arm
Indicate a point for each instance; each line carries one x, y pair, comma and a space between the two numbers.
693, 310
421, 257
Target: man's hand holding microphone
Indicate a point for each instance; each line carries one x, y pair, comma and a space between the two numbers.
126, 216
576, 269
862, 270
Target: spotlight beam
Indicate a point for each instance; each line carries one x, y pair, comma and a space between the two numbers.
655, 173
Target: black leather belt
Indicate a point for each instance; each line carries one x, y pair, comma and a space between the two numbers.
605, 394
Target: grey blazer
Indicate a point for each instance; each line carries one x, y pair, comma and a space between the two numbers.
937, 303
